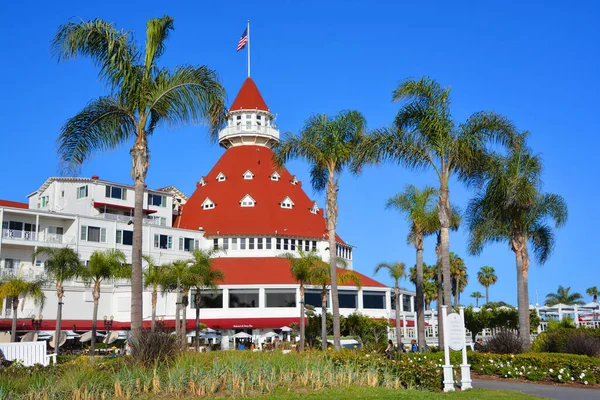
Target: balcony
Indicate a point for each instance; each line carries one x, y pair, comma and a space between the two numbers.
127, 219
24, 237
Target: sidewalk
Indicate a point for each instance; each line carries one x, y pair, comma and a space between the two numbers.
544, 391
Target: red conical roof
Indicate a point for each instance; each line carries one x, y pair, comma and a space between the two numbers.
267, 216
249, 98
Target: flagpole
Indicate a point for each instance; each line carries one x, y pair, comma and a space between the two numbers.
248, 48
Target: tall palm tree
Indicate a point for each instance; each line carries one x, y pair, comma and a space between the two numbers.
593, 292
487, 277
302, 267
154, 277
142, 96
477, 296
512, 208
203, 276
396, 271
329, 144
460, 278
106, 265
564, 296
430, 285
321, 277
419, 208
62, 263
424, 135
18, 290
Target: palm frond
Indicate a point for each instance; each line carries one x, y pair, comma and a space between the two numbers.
188, 94
109, 48
102, 125
157, 32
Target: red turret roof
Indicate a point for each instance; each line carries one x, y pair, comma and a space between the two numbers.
267, 217
249, 98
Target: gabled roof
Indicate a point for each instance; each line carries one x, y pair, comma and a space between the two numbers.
173, 190
249, 98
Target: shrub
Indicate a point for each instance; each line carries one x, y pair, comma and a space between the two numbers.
151, 348
583, 344
504, 342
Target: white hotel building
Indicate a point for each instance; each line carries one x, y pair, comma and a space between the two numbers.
244, 205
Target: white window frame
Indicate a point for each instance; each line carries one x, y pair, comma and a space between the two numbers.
84, 233
156, 241
315, 208
208, 204
287, 203
163, 202
248, 175
79, 194
247, 201
108, 188
221, 177
275, 176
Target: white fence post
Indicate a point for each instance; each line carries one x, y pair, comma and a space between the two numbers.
29, 353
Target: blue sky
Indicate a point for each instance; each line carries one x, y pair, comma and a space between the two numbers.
535, 62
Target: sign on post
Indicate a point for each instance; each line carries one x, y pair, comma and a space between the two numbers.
456, 332
454, 338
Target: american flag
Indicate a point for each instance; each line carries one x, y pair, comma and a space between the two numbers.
243, 40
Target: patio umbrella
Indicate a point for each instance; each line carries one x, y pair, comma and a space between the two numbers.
242, 335
286, 329
270, 334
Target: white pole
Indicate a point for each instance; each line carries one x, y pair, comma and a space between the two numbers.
248, 48
465, 368
448, 376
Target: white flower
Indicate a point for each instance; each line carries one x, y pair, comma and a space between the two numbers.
509, 373
581, 376
550, 370
561, 370
520, 373
585, 383
572, 378
559, 377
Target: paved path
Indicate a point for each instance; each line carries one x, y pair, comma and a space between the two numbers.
544, 391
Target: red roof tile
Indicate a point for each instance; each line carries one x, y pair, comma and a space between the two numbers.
266, 217
15, 204
266, 271
249, 98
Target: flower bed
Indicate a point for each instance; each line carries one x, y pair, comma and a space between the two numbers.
559, 368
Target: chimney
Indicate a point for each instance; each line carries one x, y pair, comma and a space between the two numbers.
95, 177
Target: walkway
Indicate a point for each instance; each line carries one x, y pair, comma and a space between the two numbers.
544, 391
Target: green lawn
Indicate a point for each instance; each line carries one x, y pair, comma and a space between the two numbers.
381, 393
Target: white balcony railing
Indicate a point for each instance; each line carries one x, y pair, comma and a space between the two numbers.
44, 237
127, 218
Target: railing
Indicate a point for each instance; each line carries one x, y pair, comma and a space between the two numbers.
27, 236
127, 218
29, 353
250, 130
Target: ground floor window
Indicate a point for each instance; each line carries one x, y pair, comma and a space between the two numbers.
348, 299
313, 298
281, 297
374, 300
208, 299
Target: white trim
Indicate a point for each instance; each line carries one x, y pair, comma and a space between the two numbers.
315, 208
247, 201
208, 204
275, 176
221, 177
248, 175
287, 203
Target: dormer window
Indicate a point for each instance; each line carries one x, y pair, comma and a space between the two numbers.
221, 177
315, 208
202, 182
295, 181
275, 176
247, 201
208, 204
287, 203
248, 175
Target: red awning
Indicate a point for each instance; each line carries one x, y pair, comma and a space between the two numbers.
98, 204
215, 323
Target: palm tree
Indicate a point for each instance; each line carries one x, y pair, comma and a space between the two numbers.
593, 292
154, 277
203, 276
142, 97
460, 278
103, 266
512, 208
477, 296
302, 267
563, 296
329, 144
321, 277
14, 288
396, 271
419, 208
487, 277
178, 278
425, 136
61, 264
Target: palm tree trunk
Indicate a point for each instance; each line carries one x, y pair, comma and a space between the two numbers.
184, 307
96, 295
487, 294
440, 296
59, 294
398, 330
420, 297
178, 313
444, 216
332, 212
519, 246
456, 292
154, 301
198, 300
13, 329
324, 319
301, 317
140, 156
